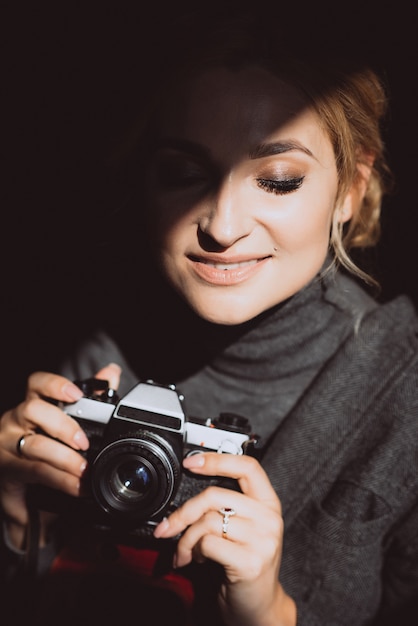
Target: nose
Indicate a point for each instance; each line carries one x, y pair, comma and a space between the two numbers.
226, 218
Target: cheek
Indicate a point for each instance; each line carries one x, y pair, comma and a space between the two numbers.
303, 223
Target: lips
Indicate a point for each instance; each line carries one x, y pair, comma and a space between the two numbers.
230, 266
226, 272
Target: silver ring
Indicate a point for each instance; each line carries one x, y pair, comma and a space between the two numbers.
227, 513
21, 442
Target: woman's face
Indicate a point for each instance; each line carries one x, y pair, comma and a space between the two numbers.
243, 188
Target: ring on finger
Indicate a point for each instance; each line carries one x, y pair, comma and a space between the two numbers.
227, 513
21, 443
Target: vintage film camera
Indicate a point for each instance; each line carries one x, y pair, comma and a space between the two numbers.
137, 444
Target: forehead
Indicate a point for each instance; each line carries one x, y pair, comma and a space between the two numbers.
236, 110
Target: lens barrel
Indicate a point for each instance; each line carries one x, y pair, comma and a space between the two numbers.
135, 478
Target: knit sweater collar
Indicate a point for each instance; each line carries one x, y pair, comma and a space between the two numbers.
286, 339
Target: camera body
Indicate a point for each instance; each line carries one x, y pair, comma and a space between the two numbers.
137, 445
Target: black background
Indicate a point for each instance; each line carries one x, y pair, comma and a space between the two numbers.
74, 75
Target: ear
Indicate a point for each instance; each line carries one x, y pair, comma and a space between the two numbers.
351, 203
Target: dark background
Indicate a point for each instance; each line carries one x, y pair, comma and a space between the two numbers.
74, 75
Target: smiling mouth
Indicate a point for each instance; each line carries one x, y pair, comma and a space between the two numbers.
226, 274
228, 266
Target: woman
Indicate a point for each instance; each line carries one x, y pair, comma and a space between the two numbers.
261, 173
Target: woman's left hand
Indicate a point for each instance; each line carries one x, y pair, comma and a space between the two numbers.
250, 551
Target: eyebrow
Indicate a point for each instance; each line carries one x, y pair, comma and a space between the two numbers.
278, 147
184, 145
258, 152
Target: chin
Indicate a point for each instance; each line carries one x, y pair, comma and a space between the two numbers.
227, 321
225, 315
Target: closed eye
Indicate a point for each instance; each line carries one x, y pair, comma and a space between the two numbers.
280, 186
181, 176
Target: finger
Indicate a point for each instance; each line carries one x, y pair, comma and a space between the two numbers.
251, 477
38, 447
54, 386
55, 479
193, 545
26, 471
238, 564
43, 415
111, 373
230, 555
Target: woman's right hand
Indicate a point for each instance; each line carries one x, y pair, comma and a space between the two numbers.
54, 460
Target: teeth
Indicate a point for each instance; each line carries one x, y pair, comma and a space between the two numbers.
232, 266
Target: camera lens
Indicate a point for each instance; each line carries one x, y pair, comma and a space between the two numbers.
132, 479
135, 478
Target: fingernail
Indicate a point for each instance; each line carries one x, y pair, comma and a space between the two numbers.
162, 528
83, 467
80, 439
194, 461
72, 391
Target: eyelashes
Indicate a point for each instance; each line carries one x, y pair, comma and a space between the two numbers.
281, 186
